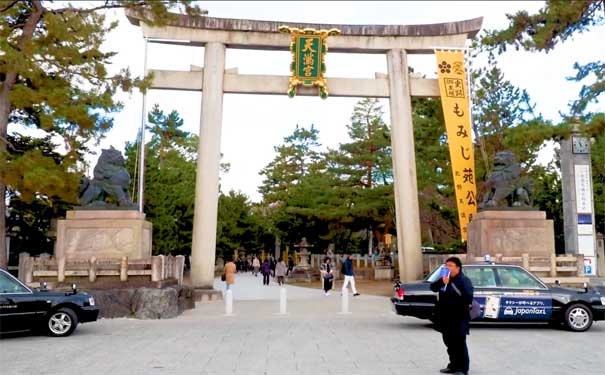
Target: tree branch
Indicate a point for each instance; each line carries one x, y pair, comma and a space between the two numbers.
10, 5
105, 6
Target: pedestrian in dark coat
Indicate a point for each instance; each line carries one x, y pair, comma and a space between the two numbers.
327, 276
273, 263
290, 265
266, 271
455, 299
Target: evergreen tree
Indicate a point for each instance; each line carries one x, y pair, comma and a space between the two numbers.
170, 167
557, 21
53, 77
498, 107
437, 204
30, 214
294, 160
363, 174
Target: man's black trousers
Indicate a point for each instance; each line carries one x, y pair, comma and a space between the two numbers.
454, 339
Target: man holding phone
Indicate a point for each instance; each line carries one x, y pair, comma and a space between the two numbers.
455, 298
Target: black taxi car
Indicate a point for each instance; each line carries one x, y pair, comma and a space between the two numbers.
508, 293
58, 314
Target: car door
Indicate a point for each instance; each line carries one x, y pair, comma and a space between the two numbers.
18, 307
524, 297
485, 286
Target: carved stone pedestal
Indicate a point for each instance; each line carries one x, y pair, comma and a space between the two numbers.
103, 234
510, 233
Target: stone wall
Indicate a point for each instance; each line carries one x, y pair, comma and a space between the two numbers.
144, 303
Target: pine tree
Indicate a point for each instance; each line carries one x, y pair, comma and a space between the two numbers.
556, 22
53, 77
294, 160
499, 106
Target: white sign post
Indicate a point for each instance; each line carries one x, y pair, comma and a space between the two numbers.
586, 238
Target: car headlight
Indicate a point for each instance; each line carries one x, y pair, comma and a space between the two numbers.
91, 301
603, 301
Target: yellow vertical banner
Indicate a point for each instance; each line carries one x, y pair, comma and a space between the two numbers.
456, 111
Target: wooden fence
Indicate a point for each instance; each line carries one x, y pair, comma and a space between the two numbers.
158, 268
569, 268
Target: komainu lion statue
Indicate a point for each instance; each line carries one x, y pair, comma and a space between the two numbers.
505, 187
109, 186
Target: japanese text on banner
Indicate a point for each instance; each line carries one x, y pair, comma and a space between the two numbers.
456, 110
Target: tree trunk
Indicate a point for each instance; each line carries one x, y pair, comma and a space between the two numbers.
5, 107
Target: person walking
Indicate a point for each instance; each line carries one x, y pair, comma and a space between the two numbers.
455, 299
347, 271
255, 265
290, 265
266, 271
272, 263
229, 273
280, 271
327, 276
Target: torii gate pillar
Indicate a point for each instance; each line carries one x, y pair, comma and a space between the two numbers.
203, 247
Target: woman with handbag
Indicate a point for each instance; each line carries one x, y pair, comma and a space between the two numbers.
229, 273
280, 271
327, 276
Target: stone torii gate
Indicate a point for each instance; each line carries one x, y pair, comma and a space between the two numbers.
217, 34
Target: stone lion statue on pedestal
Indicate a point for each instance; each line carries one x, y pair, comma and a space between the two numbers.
505, 187
109, 186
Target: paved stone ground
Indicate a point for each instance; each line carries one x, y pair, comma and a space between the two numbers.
312, 339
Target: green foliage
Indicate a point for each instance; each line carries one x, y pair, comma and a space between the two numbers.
54, 77
294, 159
438, 213
499, 108
29, 215
169, 181
170, 170
598, 179
240, 226
346, 196
556, 22
548, 197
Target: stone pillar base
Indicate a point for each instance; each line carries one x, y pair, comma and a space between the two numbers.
103, 234
510, 233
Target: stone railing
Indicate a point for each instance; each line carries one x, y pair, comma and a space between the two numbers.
157, 268
547, 267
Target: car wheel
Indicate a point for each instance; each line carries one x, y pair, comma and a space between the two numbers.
578, 318
61, 322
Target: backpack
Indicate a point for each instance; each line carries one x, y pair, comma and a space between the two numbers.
343, 269
474, 309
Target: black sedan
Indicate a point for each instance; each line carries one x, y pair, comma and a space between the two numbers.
58, 314
508, 293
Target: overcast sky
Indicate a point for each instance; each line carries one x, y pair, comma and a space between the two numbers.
254, 124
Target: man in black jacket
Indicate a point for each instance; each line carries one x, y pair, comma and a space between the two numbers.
455, 299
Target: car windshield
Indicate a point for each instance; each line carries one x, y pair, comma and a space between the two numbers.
9, 285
